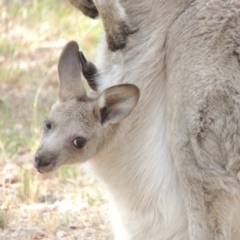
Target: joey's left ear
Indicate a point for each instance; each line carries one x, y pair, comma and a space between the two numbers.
69, 72
116, 103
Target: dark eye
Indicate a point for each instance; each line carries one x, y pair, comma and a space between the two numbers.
79, 142
47, 125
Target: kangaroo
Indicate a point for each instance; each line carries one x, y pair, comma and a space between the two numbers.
88, 124
203, 127
203, 96
97, 130
115, 20
174, 172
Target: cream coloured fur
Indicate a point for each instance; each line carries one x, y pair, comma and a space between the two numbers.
167, 59
203, 94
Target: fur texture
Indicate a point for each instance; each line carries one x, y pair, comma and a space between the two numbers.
203, 93
139, 172
184, 59
115, 20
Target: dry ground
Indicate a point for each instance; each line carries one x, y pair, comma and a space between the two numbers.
69, 203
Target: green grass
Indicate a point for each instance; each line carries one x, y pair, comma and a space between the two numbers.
10, 137
32, 35
4, 219
68, 172
29, 189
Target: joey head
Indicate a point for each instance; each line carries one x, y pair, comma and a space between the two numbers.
78, 127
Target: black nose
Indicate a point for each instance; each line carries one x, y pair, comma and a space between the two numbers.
36, 160
41, 162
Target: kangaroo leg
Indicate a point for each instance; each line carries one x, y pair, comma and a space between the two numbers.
192, 188
115, 22
219, 211
89, 71
87, 7
114, 18
198, 225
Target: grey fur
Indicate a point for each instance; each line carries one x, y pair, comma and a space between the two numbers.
178, 151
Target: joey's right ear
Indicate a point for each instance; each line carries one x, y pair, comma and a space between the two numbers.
69, 73
116, 103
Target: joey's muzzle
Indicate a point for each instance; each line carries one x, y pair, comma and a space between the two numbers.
45, 162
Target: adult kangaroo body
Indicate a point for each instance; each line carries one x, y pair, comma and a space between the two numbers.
140, 175
193, 48
203, 95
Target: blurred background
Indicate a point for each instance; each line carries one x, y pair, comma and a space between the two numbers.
66, 204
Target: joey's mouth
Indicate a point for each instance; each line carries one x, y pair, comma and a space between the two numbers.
44, 165
47, 167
